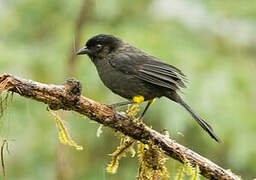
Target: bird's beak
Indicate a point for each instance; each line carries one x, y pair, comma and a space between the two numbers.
83, 50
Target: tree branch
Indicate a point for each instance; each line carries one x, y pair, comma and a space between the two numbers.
68, 97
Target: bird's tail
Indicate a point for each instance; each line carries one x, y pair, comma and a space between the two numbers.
200, 121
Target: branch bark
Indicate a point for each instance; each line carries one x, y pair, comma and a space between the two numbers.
68, 97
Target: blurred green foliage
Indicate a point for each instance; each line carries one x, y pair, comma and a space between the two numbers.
35, 42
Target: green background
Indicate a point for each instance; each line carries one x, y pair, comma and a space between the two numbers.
212, 42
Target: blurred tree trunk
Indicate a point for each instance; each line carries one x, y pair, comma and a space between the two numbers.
82, 19
64, 162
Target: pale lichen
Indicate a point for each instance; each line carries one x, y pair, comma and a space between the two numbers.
63, 132
152, 162
125, 145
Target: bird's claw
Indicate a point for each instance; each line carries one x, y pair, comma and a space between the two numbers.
113, 106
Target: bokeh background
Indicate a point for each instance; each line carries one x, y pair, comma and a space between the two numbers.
213, 42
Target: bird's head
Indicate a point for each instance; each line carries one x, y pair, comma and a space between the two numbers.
100, 46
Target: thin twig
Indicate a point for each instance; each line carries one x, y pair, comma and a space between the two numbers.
2, 156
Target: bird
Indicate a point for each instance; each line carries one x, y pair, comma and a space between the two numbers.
136, 75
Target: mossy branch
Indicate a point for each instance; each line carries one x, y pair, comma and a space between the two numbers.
68, 97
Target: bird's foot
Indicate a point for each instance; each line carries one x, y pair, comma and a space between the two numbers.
113, 106
146, 108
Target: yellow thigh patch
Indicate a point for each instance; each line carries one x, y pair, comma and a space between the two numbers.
138, 99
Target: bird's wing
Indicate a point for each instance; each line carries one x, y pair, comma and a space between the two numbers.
150, 69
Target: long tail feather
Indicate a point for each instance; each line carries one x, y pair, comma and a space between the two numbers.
172, 95
200, 121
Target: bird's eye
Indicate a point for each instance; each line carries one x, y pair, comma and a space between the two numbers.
98, 47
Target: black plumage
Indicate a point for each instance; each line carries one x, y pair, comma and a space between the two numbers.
130, 72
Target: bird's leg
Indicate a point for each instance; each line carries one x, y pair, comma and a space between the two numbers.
120, 104
146, 108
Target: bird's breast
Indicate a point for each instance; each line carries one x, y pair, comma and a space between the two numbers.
107, 73
111, 78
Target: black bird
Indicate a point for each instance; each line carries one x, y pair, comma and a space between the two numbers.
129, 72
